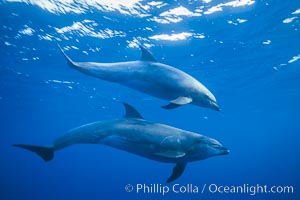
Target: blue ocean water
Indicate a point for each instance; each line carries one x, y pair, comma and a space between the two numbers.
246, 52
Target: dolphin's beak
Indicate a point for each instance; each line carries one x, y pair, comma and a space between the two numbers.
225, 151
214, 105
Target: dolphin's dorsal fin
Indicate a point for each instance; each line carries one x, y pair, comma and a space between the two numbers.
177, 171
131, 112
146, 55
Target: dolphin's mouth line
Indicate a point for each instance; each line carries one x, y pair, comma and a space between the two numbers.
215, 105
225, 151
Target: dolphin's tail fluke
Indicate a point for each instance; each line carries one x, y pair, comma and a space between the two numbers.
70, 61
47, 153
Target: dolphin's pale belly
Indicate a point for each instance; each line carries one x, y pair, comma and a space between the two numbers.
151, 140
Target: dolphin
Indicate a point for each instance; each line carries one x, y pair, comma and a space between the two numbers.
134, 134
149, 76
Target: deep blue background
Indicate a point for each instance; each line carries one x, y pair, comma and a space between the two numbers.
257, 88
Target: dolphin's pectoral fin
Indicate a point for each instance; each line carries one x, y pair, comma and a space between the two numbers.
178, 102
177, 172
182, 100
46, 153
171, 106
146, 55
171, 154
131, 112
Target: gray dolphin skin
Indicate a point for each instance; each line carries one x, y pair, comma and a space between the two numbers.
153, 78
136, 135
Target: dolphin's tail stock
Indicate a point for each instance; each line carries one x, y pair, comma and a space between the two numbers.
46, 153
70, 61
